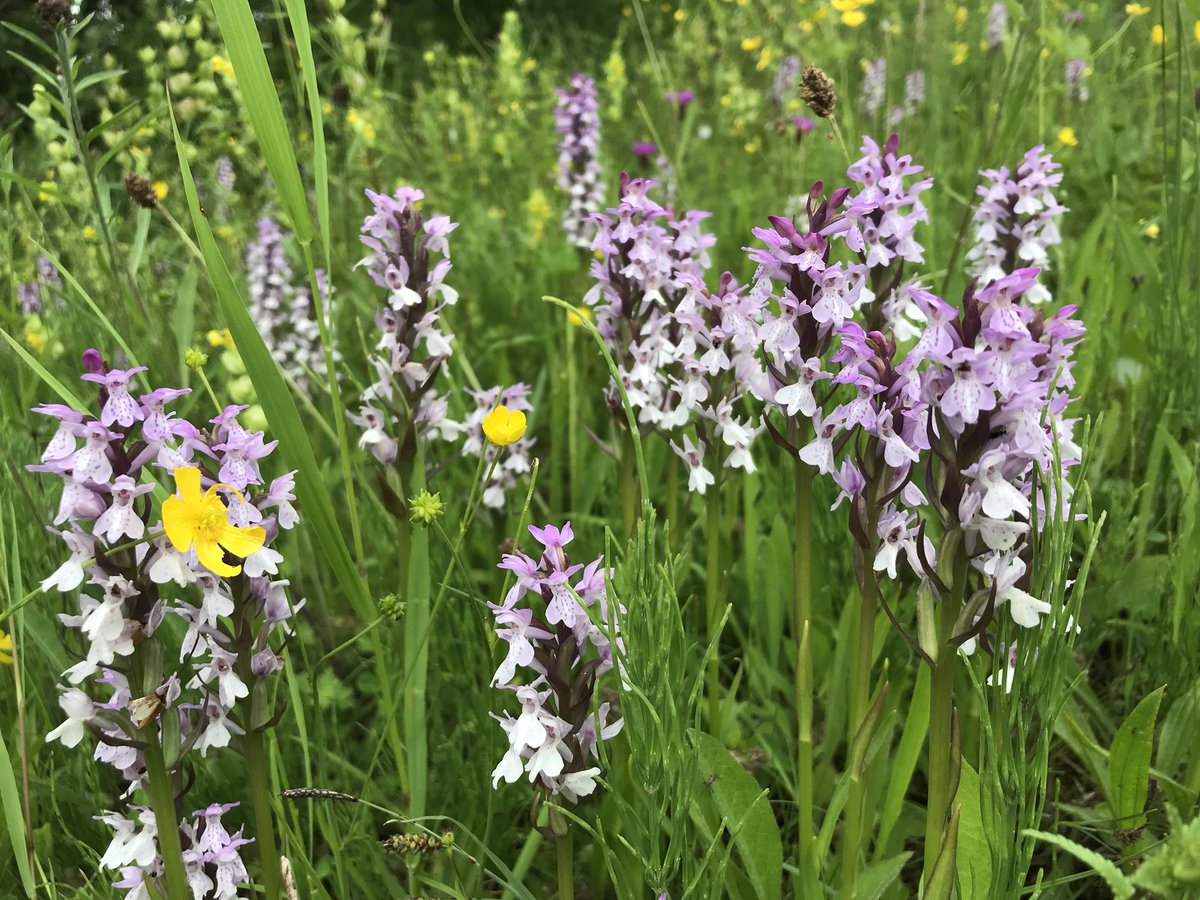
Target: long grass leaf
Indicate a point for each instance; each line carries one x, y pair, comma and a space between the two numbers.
263, 110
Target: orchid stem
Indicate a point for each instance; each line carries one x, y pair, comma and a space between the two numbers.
162, 801
802, 620
712, 604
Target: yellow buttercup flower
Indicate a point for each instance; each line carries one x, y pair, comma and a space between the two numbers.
219, 338
1152, 230
504, 426
222, 66
1136, 9
160, 190
192, 518
577, 317
89, 233
960, 54
1157, 35
752, 44
853, 18
5, 648
1196, 31
1066, 137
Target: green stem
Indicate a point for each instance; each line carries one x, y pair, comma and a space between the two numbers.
162, 800
860, 698
416, 650
952, 566
264, 817
566, 865
712, 603
802, 620
629, 486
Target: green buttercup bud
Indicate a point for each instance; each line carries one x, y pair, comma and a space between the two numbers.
392, 607
426, 507
195, 358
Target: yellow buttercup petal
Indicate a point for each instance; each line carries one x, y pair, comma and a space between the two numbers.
212, 557
187, 483
242, 541
179, 521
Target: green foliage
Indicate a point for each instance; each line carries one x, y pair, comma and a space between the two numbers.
1065, 787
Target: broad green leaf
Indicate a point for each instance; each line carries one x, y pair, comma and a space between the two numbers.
1179, 729
1129, 762
741, 801
974, 855
249, 60
874, 880
1116, 880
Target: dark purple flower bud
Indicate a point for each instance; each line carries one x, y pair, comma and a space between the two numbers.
93, 362
264, 662
644, 150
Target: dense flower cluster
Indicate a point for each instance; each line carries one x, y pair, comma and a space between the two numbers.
284, 313
401, 405
1075, 78
1017, 220
874, 87
647, 261
997, 25
715, 365
514, 459
555, 736
951, 434
130, 570
211, 855
784, 87
577, 118
33, 295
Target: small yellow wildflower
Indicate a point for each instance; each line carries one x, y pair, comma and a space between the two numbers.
1136, 9
1066, 136
577, 317
853, 18
36, 339
191, 518
5, 648
160, 190
504, 426
960, 53
219, 338
750, 146
1157, 35
1152, 231
680, 15
1196, 31
222, 66
89, 233
429, 56
752, 44
960, 17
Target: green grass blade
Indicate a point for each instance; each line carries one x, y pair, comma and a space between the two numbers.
10, 802
264, 110
298, 16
